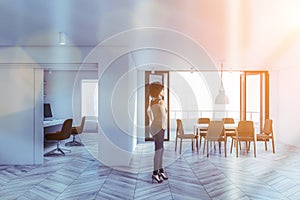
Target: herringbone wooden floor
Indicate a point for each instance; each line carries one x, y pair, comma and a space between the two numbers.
78, 175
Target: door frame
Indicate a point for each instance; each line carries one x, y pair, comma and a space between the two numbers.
264, 89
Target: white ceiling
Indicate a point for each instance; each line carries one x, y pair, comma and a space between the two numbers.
244, 34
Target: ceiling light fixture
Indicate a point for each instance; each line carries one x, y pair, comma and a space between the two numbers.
222, 98
62, 38
152, 70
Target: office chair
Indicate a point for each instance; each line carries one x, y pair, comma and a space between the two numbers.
76, 131
58, 136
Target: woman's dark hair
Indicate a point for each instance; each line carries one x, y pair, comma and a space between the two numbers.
155, 89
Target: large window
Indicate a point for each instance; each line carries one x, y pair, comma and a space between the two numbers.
89, 98
193, 95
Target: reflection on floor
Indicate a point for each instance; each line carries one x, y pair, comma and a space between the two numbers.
78, 175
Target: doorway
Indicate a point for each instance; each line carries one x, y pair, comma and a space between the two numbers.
89, 98
254, 97
89, 104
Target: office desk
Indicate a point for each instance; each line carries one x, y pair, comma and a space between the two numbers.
53, 122
51, 126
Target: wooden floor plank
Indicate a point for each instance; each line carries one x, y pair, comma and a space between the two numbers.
79, 175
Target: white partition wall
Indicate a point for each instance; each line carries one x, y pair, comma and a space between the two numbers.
38, 137
117, 104
20, 140
116, 113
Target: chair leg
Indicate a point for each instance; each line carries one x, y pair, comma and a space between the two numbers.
236, 147
176, 143
204, 146
266, 146
207, 148
254, 148
52, 152
248, 143
225, 148
61, 151
197, 144
231, 145
180, 145
192, 144
219, 147
57, 149
273, 145
200, 140
74, 142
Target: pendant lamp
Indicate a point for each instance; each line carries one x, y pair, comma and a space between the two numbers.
222, 98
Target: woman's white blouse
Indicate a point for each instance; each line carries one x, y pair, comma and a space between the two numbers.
158, 117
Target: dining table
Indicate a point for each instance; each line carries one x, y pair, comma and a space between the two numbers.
230, 130
204, 127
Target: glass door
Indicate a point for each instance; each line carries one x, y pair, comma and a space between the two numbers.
163, 78
254, 97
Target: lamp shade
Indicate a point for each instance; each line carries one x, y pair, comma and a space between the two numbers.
222, 98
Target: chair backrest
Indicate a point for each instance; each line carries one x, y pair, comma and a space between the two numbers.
268, 129
228, 120
215, 130
80, 128
66, 129
245, 129
179, 130
203, 120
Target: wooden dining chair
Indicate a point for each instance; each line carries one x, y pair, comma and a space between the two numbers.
215, 133
202, 131
180, 134
267, 134
244, 132
230, 131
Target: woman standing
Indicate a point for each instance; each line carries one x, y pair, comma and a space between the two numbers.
158, 117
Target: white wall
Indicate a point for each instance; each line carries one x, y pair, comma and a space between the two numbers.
21, 129
141, 106
116, 113
38, 140
286, 103
117, 103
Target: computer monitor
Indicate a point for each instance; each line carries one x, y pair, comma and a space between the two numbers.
47, 111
